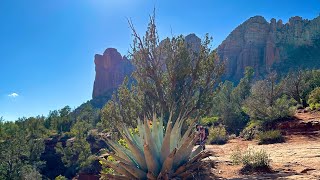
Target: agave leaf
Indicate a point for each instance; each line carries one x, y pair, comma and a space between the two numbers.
118, 149
195, 152
162, 152
151, 176
187, 169
136, 172
119, 169
200, 156
123, 152
117, 158
184, 151
155, 135
188, 132
133, 137
138, 141
160, 129
141, 129
115, 177
167, 164
137, 154
150, 142
152, 163
165, 149
176, 134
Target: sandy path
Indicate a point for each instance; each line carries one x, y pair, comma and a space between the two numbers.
298, 158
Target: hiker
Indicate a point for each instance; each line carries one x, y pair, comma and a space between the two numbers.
202, 134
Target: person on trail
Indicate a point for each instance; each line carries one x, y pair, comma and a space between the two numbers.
202, 134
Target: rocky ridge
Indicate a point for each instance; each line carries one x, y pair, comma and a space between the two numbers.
262, 44
111, 69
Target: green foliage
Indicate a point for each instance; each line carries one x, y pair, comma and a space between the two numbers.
123, 107
299, 57
209, 121
314, 98
217, 135
251, 159
30, 173
174, 75
266, 102
299, 84
60, 120
80, 129
123, 143
154, 151
76, 154
251, 130
228, 101
60, 177
242, 91
107, 170
270, 137
21, 144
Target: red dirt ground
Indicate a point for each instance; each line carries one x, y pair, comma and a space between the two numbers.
297, 158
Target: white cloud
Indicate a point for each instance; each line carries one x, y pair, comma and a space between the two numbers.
13, 95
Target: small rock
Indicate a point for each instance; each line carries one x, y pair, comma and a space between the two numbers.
306, 170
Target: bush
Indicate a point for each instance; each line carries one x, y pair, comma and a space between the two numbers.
60, 177
209, 121
270, 137
108, 170
251, 130
266, 102
315, 106
217, 135
251, 160
314, 98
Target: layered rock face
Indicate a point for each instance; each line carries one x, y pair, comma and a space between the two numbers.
111, 69
261, 44
256, 43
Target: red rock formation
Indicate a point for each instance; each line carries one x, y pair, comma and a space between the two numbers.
259, 44
111, 68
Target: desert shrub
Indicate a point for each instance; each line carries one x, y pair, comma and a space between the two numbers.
30, 173
251, 130
315, 106
209, 121
108, 170
270, 137
267, 102
217, 135
60, 177
314, 99
252, 160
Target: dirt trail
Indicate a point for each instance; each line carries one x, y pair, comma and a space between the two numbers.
297, 158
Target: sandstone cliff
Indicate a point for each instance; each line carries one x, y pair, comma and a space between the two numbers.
262, 45
111, 69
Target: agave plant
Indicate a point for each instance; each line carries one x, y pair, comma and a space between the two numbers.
158, 153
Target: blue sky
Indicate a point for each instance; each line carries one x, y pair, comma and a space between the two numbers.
47, 47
